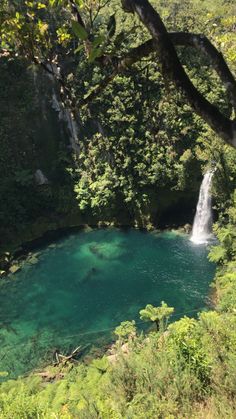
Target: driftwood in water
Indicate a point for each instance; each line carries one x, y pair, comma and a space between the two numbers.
60, 358
50, 376
73, 356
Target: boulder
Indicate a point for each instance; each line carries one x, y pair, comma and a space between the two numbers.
187, 228
33, 260
40, 178
14, 268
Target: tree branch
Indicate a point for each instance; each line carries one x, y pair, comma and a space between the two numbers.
120, 65
197, 41
204, 45
173, 71
76, 13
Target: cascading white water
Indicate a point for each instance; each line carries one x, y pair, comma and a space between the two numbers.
202, 224
66, 115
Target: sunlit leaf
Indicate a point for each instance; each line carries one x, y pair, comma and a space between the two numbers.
79, 31
98, 41
80, 47
94, 53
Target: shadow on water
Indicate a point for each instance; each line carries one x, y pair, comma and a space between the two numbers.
89, 282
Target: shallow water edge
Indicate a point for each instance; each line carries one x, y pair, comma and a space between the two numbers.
17, 257
77, 290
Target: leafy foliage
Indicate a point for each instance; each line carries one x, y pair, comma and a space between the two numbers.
139, 144
158, 315
125, 330
135, 141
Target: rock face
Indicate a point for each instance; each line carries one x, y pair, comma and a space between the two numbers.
40, 178
114, 355
14, 268
33, 260
187, 228
5, 261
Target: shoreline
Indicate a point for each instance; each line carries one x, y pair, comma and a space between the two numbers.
12, 262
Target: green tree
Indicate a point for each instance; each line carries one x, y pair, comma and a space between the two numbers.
125, 330
31, 29
158, 315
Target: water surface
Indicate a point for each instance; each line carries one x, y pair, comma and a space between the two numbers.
88, 283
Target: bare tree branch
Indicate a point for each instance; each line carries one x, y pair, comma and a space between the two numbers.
163, 43
76, 13
173, 71
197, 41
204, 45
119, 64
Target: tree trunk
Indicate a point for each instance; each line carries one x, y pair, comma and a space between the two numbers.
173, 71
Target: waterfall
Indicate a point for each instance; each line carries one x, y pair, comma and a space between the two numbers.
202, 224
65, 114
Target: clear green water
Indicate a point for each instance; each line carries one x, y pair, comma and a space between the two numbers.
91, 281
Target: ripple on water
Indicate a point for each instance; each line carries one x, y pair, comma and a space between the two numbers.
90, 282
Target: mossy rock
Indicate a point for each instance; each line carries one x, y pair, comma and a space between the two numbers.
33, 260
14, 268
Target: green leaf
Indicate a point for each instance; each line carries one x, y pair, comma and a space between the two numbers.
79, 31
79, 3
119, 39
80, 47
41, 6
98, 40
94, 53
111, 26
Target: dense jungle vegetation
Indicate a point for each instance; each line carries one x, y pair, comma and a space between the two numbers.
136, 157
141, 147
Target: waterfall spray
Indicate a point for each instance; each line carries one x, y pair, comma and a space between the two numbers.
202, 224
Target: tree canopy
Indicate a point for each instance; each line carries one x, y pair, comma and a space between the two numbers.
52, 33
